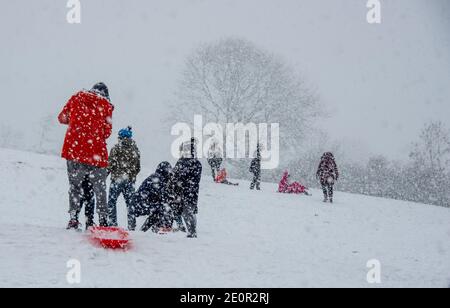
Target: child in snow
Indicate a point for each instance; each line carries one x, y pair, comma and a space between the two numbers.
221, 178
152, 200
215, 158
327, 174
124, 166
255, 168
291, 188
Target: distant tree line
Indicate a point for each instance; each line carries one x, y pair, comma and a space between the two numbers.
424, 178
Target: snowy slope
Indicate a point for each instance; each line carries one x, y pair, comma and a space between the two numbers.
246, 239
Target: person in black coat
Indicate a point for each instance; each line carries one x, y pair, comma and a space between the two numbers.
151, 199
327, 174
255, 168
186, 175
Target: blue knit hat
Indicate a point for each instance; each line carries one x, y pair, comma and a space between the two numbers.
126, 132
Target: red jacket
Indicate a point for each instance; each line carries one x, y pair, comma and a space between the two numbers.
89, 117
290, 188
221, 176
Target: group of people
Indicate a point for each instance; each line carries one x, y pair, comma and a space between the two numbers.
327, 173
168, 196
219, 174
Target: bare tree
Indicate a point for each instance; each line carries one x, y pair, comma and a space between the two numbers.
9, 137
433, 149
430, 160
233, 81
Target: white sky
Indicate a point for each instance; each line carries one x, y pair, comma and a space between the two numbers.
381, 82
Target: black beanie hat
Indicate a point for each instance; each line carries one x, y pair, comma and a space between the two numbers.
101, 89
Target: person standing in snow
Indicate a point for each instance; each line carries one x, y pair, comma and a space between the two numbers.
88, 115
152, 199
327, 174
186, 176
124, 167
255, 168
215, 158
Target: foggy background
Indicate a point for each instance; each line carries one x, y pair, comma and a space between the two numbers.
379, 83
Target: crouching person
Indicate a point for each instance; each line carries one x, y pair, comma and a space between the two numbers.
151, 200
124, 167
187, 174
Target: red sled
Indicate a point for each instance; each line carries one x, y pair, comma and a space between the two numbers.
110, 237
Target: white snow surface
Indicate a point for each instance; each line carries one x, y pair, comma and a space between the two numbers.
246, 238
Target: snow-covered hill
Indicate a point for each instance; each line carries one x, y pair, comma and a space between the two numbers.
246, 238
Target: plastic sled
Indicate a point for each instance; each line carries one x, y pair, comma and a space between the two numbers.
110, 237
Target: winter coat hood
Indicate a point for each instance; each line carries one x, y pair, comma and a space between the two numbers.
164, 170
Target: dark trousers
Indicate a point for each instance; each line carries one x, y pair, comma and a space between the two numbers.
215, 164
327, 189
159, 216
190, 218
256, 182
77, 173
126, 188
177, 215
88, 200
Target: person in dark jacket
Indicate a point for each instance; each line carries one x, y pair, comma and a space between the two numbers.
327, 174
152, 200
187, 174
215, 158
255, 168
124, 166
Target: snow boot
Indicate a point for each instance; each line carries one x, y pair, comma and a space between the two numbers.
73, 224
164, 230
193, 235
89, 223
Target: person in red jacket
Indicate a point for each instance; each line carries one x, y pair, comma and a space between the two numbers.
88, 115
291, 188
221, 178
